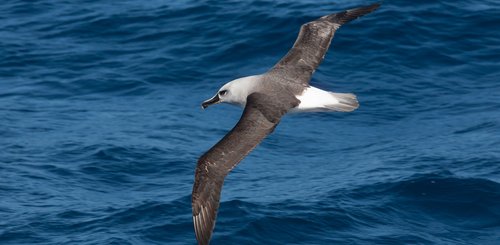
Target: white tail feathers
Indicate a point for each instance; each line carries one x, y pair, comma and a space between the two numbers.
347, 102
314, 100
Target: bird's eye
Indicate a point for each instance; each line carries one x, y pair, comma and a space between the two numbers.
222, 92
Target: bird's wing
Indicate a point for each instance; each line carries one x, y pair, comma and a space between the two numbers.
260, 116
309, 49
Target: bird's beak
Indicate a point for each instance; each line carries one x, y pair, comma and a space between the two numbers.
211, 101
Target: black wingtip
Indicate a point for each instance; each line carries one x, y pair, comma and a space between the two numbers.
352, 14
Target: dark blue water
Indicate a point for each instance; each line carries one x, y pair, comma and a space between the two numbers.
101, 126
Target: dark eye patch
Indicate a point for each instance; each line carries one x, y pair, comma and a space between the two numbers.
222, 92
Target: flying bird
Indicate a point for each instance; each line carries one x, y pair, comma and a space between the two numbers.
266, 98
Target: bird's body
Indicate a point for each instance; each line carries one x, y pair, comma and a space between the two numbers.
266, 98
311, 99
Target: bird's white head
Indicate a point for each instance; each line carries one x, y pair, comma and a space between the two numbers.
234, 92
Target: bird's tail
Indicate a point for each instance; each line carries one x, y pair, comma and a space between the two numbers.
315, 99
346, 102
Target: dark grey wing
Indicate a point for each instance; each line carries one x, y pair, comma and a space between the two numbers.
259, 118
312, 44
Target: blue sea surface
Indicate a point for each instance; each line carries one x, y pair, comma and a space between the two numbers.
101, 125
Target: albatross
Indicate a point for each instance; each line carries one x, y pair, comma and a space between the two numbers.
265, 99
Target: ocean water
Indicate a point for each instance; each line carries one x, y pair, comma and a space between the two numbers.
101, 125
